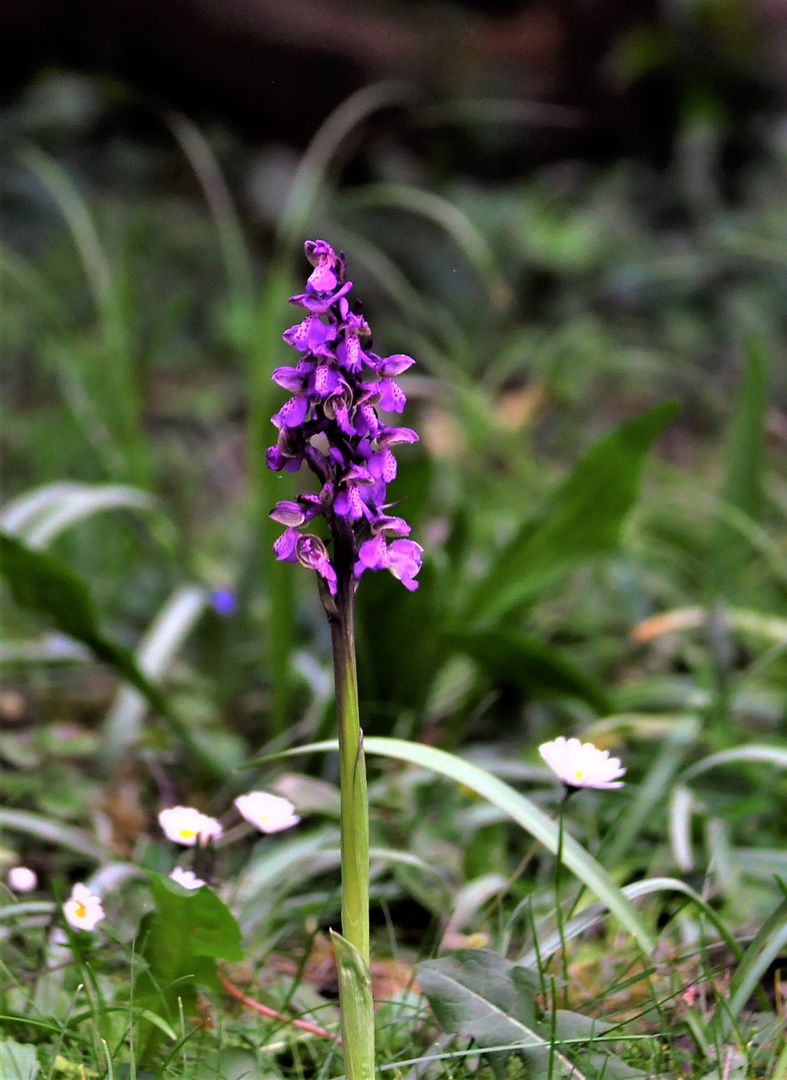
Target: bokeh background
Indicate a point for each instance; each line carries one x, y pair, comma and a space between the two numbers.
567, 212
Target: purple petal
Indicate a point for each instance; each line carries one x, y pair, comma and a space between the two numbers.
386, 525
284, 548
395, 365
373, 555
224, 602
393, 436
275, 459
392, 397
312, 553
293, 412
383, 465
292, 379
288, 513
405, 559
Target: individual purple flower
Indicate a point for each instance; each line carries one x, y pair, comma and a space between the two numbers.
224, 602
332, 423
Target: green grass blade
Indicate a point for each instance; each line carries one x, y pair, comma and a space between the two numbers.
647, 798
80, 504
517, 807
311, 175
763, 950
588, 918
769, 755
53, 832
235, 253
470, 241
154, 655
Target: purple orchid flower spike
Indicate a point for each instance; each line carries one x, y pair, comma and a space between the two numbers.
332, 423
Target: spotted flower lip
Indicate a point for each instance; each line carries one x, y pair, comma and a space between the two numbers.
186, 825
331, 423
83, 910
187, 878
582, 765
266, 812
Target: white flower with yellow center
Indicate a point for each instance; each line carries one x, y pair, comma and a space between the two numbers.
83, 910
22, 879
185, 825
581, 765
268, 813
187, 878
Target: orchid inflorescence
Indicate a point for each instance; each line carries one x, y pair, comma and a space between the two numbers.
339, 385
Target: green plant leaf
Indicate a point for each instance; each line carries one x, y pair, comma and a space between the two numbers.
357, 1010
179, 944
583, 519
18, 1061
527, 663
483, 996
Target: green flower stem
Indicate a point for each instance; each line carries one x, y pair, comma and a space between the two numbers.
359, 1052
558, 908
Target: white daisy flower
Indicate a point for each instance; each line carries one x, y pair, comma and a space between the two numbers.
83, 910
22, 879
268, 813
187, 878
581, 765
185, 825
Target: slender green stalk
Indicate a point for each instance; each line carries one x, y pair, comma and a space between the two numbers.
558, 908
355, 1001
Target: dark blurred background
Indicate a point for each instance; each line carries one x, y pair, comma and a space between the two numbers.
628, 70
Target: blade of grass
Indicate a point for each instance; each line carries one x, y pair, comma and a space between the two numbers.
121, 400
154, 655
517, 807
53, 832
588, 918
470, 241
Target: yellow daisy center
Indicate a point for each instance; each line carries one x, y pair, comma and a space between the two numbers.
186, 834
578, 774
80, 911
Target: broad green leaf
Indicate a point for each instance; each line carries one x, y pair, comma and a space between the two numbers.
742, 488
583, 519
357, 1010
527, 663
483, 996
18, 1061
179, 944
192, 922
43, 584
516, 806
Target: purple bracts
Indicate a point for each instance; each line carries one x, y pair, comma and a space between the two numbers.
331, 422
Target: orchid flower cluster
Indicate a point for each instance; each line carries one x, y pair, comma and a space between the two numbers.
332, 423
